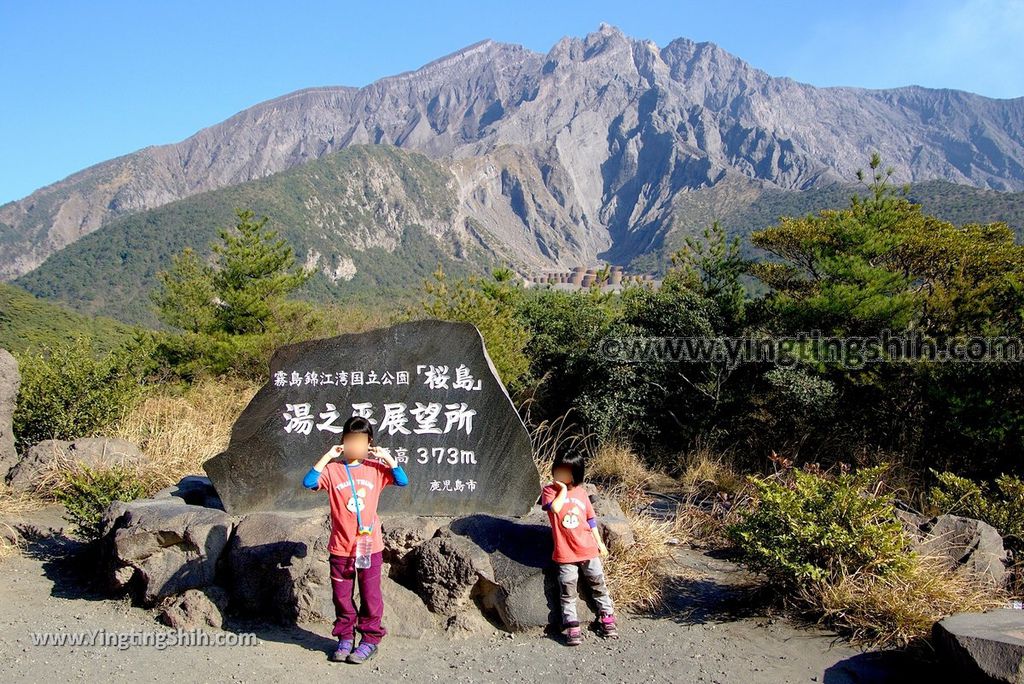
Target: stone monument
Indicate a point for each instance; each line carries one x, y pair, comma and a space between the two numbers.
434, 399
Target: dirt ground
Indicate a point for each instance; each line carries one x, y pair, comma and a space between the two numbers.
709, 632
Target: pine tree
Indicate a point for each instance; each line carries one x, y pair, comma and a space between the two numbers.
253, 273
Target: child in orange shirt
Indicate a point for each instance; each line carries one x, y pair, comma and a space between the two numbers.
578, 546
354, 483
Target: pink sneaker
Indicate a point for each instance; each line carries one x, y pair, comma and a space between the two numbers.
608, 628
573, 636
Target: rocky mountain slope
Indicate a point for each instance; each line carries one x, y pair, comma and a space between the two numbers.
584, 152
374, 221
370, 218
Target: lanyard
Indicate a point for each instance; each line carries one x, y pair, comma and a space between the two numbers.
355, 497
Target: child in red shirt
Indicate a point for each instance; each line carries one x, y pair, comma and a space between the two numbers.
354, 483
578, 546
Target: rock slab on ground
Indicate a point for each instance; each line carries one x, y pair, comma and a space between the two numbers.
195, 609
983, 647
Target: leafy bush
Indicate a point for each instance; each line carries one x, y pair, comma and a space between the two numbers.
70, 391
86, 494
190, 356
808, 526
833, 544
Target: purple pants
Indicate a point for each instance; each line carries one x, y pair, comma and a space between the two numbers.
371, 609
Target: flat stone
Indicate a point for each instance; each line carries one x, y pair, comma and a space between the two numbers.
434, 398
983, 646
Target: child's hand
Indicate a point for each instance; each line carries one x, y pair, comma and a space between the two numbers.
384, 455
336, 450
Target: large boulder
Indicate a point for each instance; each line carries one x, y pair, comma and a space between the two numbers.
405, 615
494, 566
435, 400
92, 452
966, 545
162, 547
276, 566
983, 647
10, 380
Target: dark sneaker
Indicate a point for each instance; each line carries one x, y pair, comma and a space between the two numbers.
573, 636
341, 652
362, 653
608, 628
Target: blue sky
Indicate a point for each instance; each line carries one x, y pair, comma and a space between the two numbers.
82, 82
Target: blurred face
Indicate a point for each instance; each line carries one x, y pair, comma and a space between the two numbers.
562, 474
356, 445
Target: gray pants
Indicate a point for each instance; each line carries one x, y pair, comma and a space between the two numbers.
593, 574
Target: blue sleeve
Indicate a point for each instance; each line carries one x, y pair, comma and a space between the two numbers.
401, 479
312, 477
592, 522
546, 507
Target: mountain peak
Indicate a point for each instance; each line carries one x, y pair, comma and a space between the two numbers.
613, 128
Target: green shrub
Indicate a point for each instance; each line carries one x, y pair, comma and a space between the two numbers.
86, 494
70, 391
813, 527
189, 355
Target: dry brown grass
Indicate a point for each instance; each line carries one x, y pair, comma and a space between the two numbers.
708, 472
638, 576
12, 501
899, 610
179, 428
550, 437
712, 493
701, 522
618, 467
